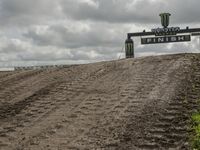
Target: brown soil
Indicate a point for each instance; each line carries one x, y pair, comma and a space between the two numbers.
142, 103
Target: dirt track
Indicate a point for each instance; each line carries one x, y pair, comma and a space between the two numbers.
142, 103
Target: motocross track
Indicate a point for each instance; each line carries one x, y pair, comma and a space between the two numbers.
129, 104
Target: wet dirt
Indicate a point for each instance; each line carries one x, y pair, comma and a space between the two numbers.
141, 103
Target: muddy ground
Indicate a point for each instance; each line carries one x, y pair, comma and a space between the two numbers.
142, 103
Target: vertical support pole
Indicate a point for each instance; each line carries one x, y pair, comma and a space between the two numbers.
129, 48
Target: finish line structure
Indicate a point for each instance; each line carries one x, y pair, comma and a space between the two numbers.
160, 35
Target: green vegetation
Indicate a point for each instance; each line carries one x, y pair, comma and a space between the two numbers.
196, 128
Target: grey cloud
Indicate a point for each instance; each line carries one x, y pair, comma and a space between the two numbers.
10, 48
20, 50
25, 52
108, 11
27, 12
135, 11
60, 36
107, 22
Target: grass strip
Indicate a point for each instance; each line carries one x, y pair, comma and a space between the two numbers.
196, 129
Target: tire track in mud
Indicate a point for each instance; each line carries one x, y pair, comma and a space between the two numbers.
5, 74
130, 102
45, 103
12, 84
27, 87
78, 86
84, 122
110, 106
16, 110
169, 127
16, 77
17, 116
7, 111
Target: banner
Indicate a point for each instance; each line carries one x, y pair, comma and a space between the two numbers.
165, 39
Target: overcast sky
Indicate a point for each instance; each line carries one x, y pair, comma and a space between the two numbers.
41, 32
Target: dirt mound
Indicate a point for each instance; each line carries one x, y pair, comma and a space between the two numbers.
142, 103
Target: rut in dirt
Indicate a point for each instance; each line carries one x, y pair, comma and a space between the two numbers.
141, 103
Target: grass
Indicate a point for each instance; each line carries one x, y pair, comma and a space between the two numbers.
196, 128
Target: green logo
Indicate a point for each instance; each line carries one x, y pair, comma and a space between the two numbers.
165, 19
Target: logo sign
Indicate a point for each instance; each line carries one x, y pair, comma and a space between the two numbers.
166, 31
166, 39
165, 23
165, 19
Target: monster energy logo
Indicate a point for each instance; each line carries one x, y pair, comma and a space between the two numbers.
129, 48
165, 30
165, 19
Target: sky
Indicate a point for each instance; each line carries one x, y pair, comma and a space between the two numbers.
49, 32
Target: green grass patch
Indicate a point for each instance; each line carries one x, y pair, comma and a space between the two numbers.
196, 128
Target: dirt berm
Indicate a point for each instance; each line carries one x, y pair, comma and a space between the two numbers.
129, 104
